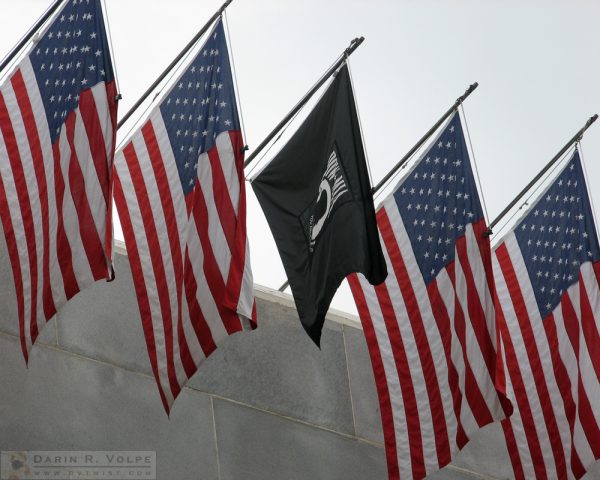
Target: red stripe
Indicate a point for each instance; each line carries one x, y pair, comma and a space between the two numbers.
156, 259
571, 325
436, 406
92, 243
111, 95
588, 327
13, 252
91, 122
473, 395
222, 197
101, 161
443, 322
166, 199
197, 318
38, 166
238, 252
22, 192
139, 282
477, 314
524, 409
513, 453
592, 341
383, 393
253, 323
211, 268
64, 253
563, 382
533, 356
411, 412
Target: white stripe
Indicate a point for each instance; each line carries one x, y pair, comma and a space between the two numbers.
246, 300
31, 183
228, 166
39, 114
190, 336
392, 379
218, 241
161, 227
143, 248
81, 266
434, 340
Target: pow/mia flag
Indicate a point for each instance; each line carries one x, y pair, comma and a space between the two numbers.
317, 199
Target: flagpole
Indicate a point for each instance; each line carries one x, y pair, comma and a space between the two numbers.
354, 44
544, 170
183, 52
410, 153
425, 137
32, 31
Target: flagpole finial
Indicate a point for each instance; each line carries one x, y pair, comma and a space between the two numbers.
354, 44
224, 6
468, 92
592, 119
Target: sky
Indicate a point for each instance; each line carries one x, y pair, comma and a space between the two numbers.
536, 62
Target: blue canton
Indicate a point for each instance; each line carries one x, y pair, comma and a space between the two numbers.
557, 236
438, 199
200, 106
72, 56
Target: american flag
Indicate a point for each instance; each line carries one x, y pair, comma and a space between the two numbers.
547, 272
180, 194
58, 113
430, 327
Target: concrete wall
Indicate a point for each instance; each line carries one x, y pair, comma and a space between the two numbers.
267, 405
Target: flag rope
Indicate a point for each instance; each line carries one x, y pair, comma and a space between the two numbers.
474, 161
235, 82
360, 127
112, 49
587, 180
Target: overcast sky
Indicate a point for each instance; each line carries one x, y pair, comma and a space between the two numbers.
537, 63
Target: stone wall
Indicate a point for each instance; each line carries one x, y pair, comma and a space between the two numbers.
267, 405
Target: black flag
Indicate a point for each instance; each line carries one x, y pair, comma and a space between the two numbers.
318, 202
